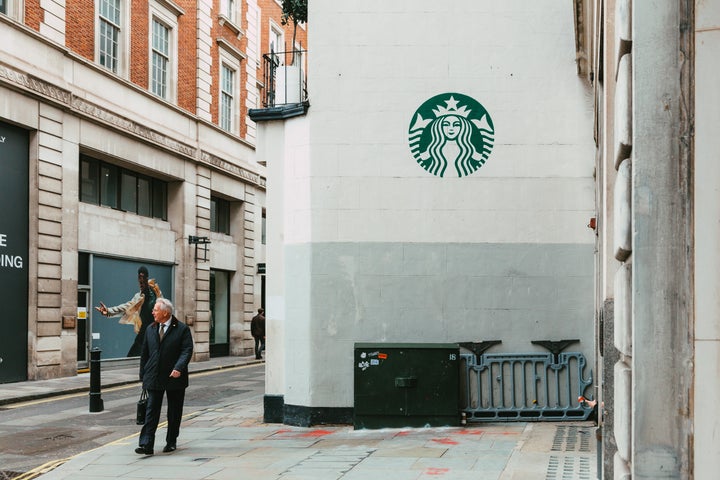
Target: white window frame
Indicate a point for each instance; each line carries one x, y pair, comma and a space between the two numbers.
15, 9
230, 61
276, 31
123, 38
229, 16
230, 9
160, 12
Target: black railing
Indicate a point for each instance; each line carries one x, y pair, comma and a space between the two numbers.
285, 78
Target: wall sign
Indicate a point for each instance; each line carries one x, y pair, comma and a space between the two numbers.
14, 188
451, 134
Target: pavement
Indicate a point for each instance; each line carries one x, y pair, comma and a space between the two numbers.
232, 442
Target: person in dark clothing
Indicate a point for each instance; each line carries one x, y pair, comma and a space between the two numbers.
164, 363
138, 310
257, 330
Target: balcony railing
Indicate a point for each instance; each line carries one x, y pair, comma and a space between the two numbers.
285, 78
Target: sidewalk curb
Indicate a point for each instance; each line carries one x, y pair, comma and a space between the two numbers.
199, 368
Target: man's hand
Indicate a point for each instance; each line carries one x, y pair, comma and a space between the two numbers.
102, 309
175, 374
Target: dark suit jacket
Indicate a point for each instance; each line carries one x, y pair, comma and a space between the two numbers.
158, 359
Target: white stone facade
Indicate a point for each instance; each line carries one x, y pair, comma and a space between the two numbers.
373, 248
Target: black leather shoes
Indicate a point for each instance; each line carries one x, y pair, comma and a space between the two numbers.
141, 450
169, 448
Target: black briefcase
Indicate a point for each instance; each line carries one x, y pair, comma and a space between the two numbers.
141, 408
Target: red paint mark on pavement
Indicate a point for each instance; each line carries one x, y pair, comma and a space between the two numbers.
470, 432
436, 471
316, 433
402, 434
445, 441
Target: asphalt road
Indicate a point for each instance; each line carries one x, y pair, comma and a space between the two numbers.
41, 431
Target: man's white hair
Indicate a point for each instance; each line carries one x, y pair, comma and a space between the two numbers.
165, 305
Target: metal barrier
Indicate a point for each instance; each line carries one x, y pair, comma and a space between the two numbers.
523, 387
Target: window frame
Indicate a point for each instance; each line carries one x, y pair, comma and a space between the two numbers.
276, 32
121, 68
160, 13
230, 9
14, 9
232, 63
220, 215
122, 195
263, 227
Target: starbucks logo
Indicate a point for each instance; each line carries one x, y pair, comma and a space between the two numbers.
451, 129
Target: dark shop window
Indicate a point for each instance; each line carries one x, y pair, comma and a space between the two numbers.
111, 186
219, 215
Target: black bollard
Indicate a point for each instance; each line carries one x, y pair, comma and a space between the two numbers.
96, 402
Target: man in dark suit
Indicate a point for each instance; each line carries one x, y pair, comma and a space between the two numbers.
164, 361
257, 330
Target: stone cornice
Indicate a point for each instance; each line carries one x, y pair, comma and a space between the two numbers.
217, 162
65, 99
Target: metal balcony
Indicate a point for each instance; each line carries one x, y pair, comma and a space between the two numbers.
285, 92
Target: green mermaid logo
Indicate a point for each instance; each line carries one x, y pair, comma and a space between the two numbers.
451, 128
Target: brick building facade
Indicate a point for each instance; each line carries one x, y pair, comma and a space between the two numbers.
125, 128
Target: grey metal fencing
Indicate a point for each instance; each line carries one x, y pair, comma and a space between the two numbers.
524, 387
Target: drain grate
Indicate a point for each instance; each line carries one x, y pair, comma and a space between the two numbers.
569, 468
571, 438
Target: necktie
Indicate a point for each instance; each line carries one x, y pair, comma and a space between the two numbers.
162, 331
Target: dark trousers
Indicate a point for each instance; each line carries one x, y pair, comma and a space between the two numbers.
176, 399
259, 346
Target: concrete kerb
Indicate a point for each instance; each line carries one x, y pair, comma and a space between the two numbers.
38, 389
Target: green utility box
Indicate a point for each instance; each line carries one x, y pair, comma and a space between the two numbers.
406, 385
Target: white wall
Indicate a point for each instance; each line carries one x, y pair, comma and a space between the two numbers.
378, 249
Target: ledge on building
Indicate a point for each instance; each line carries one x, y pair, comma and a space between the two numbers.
279, 112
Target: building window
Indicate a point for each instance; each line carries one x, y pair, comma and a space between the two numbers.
227, 98
277, 42
12, 8
229, 9
263, 228
121, 189
160, 58
110, 34
163, 48
219, 215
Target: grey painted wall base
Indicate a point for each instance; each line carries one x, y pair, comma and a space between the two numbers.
338, 294
420, 292
276, 411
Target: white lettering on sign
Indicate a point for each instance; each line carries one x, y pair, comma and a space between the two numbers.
9, 261
12, 261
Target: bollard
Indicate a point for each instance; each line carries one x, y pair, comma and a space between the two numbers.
96, 402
